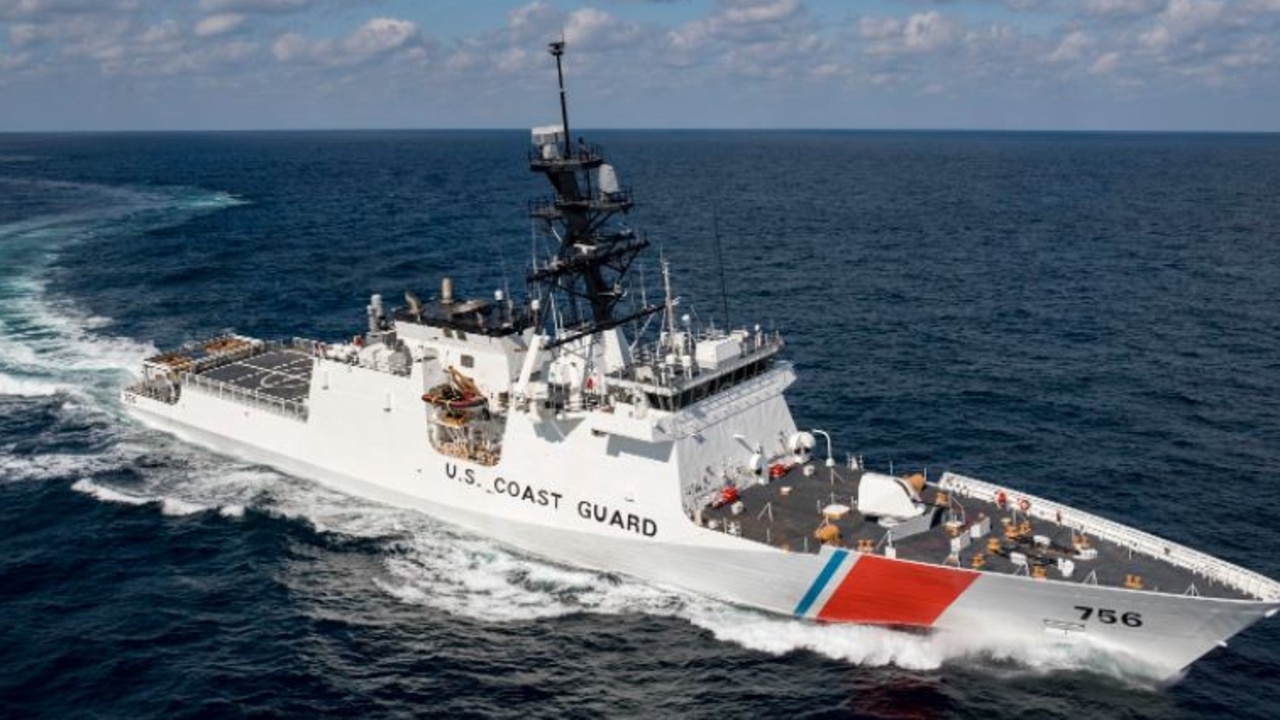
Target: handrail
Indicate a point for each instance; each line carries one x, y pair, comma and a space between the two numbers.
1246, 581
288, 408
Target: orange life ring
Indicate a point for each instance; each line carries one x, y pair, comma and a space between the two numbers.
1002, 499
1024, 505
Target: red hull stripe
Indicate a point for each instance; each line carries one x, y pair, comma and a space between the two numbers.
880, 590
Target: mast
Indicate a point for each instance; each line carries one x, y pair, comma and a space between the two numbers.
582, 220
557, 51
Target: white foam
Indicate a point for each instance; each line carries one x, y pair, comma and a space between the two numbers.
49, 345
47, 466
107, 494
178, 508
217, 200
47, 348
28, 387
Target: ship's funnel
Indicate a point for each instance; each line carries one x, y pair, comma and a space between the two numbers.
446, 291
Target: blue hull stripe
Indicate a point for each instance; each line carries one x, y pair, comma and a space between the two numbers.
820, 583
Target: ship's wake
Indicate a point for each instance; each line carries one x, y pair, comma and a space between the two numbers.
55, 360
48, 345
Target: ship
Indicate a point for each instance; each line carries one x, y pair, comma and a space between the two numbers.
598, 425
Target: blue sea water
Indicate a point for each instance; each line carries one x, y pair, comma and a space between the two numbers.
1093, 317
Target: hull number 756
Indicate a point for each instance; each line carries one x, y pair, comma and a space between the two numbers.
1109, 617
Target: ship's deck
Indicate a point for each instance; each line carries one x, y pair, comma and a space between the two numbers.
284, 374
787, 511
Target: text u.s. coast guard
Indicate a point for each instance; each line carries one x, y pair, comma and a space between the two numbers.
542, 497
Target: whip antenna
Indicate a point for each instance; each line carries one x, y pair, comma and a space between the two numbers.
724, 291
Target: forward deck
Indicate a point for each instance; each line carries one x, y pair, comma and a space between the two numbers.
790, 511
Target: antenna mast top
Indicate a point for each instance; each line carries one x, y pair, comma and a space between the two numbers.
557, 51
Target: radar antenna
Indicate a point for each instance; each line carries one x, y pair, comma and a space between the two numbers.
594, 249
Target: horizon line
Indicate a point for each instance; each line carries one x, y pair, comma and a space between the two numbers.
1100, 131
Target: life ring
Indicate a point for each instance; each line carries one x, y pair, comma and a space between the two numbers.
1002, 499
1024, 505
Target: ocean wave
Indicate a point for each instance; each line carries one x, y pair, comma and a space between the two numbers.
29, 387
57, 465
111, 495
48, 346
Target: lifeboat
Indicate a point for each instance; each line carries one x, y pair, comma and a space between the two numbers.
450, 398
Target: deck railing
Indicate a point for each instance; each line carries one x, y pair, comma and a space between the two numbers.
226, 391
1246, 581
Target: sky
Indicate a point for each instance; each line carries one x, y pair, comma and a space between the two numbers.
885, 64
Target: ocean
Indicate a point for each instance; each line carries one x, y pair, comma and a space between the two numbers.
1092, 317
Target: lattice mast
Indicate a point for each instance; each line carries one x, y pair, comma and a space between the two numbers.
593, 249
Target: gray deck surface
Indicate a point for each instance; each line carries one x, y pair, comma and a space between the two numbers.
790, 520
284, 374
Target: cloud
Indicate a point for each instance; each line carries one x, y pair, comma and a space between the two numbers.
14, 62
591, 29
924, 32
872, 28
255, 6
1071, 47
377, 37
748, 55
1105, 64
19, 9
590, 32
752, 12
219, 24
1122, 8
1185, 20
761, 39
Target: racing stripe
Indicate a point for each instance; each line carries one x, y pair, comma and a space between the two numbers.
894, 592
820, 582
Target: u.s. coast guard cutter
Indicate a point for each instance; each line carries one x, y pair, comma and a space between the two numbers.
591, 426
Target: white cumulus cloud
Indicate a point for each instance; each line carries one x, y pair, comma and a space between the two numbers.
928, 31
219, 24
377, 37
747, 12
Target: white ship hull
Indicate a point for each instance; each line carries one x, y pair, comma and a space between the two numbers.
370, 459
546, 427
